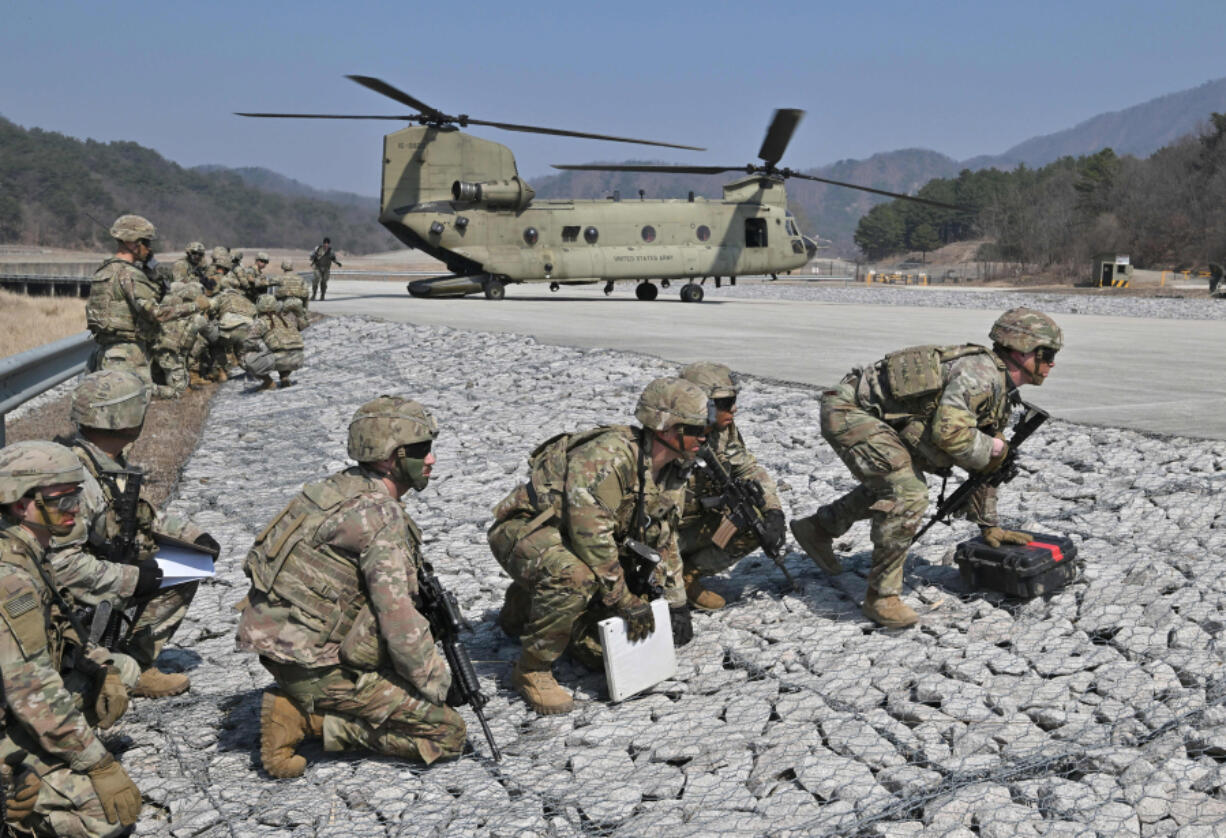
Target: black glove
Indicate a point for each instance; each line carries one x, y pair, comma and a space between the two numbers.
149, 580
209, 543
454, 697
683, 625
640, 622
776, 530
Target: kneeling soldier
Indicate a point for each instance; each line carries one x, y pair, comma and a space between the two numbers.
591, 498
706, 546
66, 782
333, 606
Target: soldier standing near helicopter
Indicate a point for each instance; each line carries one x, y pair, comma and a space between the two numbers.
321, 261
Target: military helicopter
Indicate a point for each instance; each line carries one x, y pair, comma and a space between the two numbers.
460, 199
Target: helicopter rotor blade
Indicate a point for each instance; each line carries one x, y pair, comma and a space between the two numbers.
325, 116
397, 95
561, 132
630, 167
898, 195
779, 134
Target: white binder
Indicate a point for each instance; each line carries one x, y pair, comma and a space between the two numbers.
631, 668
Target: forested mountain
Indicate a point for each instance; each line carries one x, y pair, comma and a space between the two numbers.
51, 185
270, 181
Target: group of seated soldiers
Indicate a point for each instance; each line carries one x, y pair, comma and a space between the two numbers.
179, 326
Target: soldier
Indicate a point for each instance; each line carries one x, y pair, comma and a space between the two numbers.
706, 546
591, 499
192, 266
175, 338
926, 408
289, 285
257, 280
67, 783
332, 608
235, 316
124, 311
321, 261
272, 343
108, 410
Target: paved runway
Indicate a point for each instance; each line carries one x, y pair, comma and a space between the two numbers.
1147, 374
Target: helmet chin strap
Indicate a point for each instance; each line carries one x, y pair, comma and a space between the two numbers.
54, 529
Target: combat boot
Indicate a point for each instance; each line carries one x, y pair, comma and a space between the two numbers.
285, 381
888, 611
195, 381
698, 596
282, 727
817, 543
535, 682
266, 383
154, 683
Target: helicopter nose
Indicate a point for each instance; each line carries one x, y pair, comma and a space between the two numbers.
810, 245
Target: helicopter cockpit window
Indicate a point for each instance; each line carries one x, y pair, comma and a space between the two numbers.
570, 234
792, 231
755, 232
530, 235
590, 235
649, 233
703, 232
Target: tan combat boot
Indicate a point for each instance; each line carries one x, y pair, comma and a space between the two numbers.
538, 687
266, 383
285, 380
154, 683
888, 611
698, 596
195, 381
282, 727
817, 543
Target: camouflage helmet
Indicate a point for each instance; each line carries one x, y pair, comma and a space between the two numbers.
163, 273
110, 400
262, 256
26, 466
673, 401
381, 426
265, 304
287, 264
130, 228
293, 305
1024, 329
236, 256
195, 247
221, 256
716, 379
227, 281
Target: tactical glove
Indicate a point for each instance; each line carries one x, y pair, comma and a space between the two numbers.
640, 622
23, 794
454, 697
999, 460
995, 536
683, 625
149, 579
119, 796
776, 530
111, 701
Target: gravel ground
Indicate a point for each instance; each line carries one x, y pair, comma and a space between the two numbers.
1098, 711
1173, 308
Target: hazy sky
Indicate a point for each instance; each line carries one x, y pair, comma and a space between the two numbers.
962, 78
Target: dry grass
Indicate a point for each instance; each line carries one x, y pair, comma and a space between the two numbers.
27, 322
172, 429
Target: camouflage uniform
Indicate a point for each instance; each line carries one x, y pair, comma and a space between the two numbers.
922, 409
174, 341
321, 262
290, 285
46, 731
235, 316
188, 269
332, 613
272, 343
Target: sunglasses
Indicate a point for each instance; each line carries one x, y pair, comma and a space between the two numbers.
418, 450
725, 403
693, 430
1045, 355
66, 502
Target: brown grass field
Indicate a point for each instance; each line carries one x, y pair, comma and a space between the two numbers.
27, 322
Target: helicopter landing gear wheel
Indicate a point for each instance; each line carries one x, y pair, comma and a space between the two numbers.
691, 293
495, 289
608, 288
646, 292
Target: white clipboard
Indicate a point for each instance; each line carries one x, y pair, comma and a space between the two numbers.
631, 668
182, 562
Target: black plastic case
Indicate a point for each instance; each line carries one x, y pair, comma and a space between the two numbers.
1046, 564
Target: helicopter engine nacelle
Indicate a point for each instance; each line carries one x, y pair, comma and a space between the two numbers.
507, 194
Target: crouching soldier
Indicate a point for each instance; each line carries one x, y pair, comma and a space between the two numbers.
333, 606
708, 544
64, 781
571, 535
272, 343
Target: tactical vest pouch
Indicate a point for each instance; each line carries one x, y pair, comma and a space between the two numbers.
23, 615
913, 372
363, 647
283, 337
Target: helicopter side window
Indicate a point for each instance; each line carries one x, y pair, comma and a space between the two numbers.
755, 232
649, 233
703, 232
590, 235
570, 234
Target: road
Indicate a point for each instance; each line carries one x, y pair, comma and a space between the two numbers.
1145, 374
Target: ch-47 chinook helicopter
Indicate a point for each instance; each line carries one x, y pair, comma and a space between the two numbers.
460, 199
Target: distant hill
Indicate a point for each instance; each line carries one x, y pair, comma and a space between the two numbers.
59, 191
270, 181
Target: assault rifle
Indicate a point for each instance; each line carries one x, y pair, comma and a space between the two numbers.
743, 501
440, 607
107, 623
1031, 419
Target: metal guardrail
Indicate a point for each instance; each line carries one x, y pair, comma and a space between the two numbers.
28, 374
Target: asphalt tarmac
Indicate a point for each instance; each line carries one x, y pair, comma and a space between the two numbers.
1156, 375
